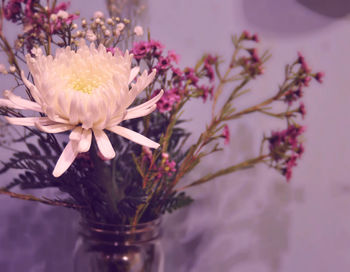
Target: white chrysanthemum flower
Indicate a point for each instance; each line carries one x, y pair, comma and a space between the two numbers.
86, 92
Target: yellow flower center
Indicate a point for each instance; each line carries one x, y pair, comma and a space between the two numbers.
84, 84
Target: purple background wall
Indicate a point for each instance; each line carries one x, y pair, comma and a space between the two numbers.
252, 220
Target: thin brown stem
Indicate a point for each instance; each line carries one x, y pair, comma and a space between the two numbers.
41, 200
245, 164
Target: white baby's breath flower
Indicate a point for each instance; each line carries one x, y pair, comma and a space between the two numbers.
62, 14
109, 21
98, 14
53, 17
86, 92
138, 30
120, 27
90, 36
3, 69
36, 51
12, 69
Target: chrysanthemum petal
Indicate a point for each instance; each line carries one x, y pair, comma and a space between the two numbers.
139, 113
85, 141
29, 121
33, 90
104, 145
134, 136
26, 104
147, 104
9, 104
67, 157
76, 133
74, 109
133, 73
56, 128
142, 82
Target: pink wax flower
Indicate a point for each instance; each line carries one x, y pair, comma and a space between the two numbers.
191, 76
168, 167
246, 35
168, 100
301, 58
156, 48
207, 90
285, 148
304, 65
319, 77
173, 56
177, 72
140, 50
12, 10
226, 134
254, 55
255, 38
163, 64
293, 95
306, 81
302, 110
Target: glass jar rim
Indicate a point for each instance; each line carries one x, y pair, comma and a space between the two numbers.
108, 227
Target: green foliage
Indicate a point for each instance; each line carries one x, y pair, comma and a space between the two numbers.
177, 201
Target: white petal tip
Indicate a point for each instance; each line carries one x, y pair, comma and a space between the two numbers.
56, 174
155, 146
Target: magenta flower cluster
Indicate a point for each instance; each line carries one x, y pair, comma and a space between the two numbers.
226, 134
166, 167
302, 80
286, 148
176, 83
251, 63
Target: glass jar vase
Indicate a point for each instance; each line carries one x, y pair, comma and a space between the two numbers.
119, 248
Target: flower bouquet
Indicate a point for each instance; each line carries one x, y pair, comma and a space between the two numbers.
95, 111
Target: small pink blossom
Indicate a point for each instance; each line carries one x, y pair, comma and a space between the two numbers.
319, 77
302, 110
140, 50
246, 35
177, 72
168, 100
255, 38
98, 14
207, 90
191, 76
163, 64
173, 56
226, 134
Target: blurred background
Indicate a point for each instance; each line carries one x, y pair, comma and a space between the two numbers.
252, 220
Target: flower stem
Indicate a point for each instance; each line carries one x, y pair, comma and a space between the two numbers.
41, 200
245, 164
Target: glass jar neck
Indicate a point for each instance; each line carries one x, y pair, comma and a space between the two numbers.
118, 235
